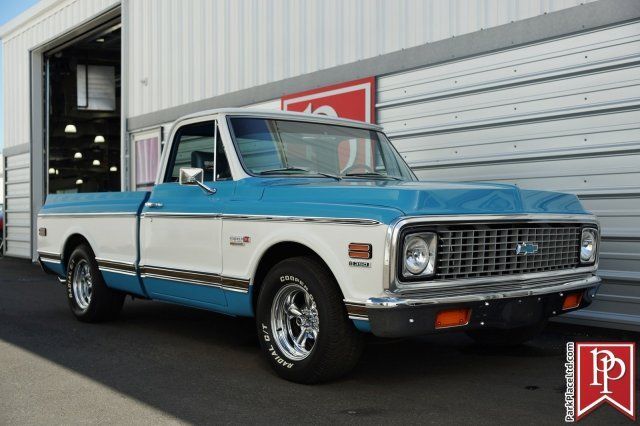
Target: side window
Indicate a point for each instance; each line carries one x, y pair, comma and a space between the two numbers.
193, 147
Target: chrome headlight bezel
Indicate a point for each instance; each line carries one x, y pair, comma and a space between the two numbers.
589, 238
428, 241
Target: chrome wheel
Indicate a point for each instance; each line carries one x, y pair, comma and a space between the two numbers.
82, 285
294, 321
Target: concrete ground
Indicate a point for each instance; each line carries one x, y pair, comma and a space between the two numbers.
163, 364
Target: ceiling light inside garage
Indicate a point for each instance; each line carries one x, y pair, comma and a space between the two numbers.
70, 128
98, 139
113, 169
79, 182
96, 162
52, 171
77, 155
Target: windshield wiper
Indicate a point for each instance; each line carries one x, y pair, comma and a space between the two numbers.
372, 174
298, 169
284, 170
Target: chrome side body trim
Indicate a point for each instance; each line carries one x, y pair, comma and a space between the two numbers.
126, 268
265, 218
98, 214
327, 220
173, 215
525, 290
392, 247
191, 277
46, 256
198, 278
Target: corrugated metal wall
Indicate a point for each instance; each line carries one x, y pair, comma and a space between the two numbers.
15, 49
184, 51
1, 178
17, 108
17, 216
561, 115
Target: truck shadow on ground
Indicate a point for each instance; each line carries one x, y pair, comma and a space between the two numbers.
198, 366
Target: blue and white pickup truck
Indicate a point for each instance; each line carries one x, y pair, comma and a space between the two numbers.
317, 228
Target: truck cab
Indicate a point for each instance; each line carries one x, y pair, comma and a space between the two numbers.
318, 229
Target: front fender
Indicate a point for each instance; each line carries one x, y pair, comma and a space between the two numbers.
329, 241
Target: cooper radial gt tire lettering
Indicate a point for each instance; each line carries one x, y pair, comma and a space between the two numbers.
303, 327
89, 297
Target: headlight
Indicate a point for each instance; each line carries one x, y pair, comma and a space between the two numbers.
588, 245
419, 255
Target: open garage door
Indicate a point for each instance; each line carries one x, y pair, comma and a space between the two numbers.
82, 112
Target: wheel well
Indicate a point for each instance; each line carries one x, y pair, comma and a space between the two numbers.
277, 253
70, 245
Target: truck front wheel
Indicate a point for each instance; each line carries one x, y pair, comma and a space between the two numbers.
303, 326
89, 297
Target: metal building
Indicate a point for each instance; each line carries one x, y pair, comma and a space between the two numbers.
1, 179
541, 93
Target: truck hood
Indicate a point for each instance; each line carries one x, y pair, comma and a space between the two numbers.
420, 198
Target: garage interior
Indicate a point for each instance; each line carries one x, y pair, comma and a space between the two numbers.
82, 111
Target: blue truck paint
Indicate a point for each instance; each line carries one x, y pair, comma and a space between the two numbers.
416, 198
96, 203
55, 267
170, 290
190, 199
240, 304
124, 282
362, 325
140, 286
379, 200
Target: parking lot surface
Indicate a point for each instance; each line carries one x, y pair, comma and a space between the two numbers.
162, 364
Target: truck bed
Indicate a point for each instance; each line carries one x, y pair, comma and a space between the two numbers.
108, 221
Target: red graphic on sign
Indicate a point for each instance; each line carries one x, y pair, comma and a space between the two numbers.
605, 372
353, 100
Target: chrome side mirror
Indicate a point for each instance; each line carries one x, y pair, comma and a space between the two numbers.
194, 176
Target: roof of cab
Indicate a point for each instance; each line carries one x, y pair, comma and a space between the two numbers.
283, 115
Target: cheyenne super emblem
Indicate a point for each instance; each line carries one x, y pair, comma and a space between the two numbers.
236, 240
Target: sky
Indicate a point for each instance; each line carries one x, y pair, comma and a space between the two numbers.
8, 10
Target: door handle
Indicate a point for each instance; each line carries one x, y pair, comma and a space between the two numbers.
153, 205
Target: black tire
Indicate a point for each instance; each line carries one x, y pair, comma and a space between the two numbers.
507, 337
104, 303
338, 345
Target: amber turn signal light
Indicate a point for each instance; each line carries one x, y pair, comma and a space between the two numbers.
453, 318
360, 251
571, 301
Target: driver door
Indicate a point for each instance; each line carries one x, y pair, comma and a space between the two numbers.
180, 227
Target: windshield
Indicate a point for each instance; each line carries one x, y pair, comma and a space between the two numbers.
276, 147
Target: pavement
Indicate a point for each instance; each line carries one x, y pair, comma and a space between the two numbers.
167, 364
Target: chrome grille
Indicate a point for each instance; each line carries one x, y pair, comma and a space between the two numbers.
471, 251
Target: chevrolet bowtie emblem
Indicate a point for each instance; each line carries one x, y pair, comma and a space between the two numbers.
526, 248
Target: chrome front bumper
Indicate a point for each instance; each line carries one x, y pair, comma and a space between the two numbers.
503, 306
513, 290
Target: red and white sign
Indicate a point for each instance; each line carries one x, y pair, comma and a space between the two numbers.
353, 100
605, 372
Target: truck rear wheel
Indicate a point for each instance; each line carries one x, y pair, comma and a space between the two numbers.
89, 297
508, 337
303, 326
